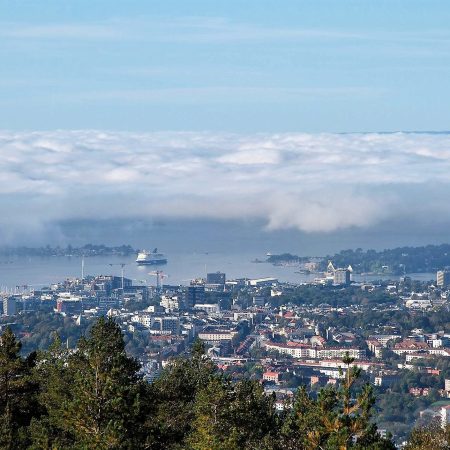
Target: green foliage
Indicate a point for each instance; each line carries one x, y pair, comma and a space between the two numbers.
86, 250
39, 327
94, 397
368, 320
17, 392
397, 409
335, 419
139, 305
176, 391
431, 437
104, 403
54, 380
398, 260
233, 416
331, 295
198, 348
285, 258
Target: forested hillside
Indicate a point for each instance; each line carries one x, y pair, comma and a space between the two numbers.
396, 261
94, 398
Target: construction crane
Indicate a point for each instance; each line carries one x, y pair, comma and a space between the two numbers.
160, 275
122, 265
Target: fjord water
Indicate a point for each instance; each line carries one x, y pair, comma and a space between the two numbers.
180, 269
193, 248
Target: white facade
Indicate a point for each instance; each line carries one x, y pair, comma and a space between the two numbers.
170, 303
294, 351
331, 353
261, 282
216, 336
445, 416
212, 308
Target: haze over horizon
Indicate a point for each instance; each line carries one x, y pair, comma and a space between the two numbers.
285, 122
311, 183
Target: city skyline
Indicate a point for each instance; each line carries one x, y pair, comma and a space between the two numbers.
225, 224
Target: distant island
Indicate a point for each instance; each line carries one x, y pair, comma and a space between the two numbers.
86, 250
397, 261
284, 259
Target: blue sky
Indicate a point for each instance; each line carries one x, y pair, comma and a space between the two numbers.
226, 110
240, 66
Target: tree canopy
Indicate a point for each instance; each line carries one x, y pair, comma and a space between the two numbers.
94, 397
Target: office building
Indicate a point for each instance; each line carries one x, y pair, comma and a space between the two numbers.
9, 306
193, 295
215, 278
443, 278
341, 277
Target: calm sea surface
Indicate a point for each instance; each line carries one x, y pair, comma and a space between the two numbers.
180, 269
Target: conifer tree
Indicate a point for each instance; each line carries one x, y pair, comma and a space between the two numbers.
103, 408
336, 420
17, 392
308, 421
233, 416
175, 392
54, 379
93, 397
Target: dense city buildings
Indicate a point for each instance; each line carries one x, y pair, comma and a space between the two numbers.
287, 335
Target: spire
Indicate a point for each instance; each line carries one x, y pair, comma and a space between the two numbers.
330, 267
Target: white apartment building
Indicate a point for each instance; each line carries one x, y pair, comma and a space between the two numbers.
331, 353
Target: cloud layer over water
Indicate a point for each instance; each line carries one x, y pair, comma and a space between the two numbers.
310, 182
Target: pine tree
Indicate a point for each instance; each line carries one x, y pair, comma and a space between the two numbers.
93, 397
336, 420
210, 428
103, 408
175, 393
54, 379
309, 422
17, 392
233, 416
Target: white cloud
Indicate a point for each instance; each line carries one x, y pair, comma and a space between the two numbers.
321, 182
60, 31
194, 29
217, 30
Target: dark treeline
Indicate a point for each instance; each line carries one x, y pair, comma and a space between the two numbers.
95, 398
334, 296
397, 261
85, 250
286, 258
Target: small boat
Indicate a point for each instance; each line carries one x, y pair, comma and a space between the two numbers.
145, 258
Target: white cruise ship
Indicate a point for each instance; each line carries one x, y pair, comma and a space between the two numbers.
145, 258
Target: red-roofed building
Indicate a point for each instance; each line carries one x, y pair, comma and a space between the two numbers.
409, 346
273, 377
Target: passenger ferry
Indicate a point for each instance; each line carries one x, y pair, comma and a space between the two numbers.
145, 258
